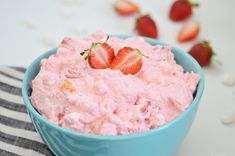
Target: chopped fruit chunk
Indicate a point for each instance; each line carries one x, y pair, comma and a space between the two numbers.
68, 87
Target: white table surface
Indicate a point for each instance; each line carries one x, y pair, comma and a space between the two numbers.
29, 28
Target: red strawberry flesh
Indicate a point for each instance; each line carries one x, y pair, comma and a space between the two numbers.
189, 31
202, 52
101, 56
128, 60
181, 10
60, 116
145, 26
126, 7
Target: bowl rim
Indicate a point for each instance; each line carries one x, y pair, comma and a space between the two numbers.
193, 104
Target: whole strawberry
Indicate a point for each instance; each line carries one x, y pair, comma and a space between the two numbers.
181, 9
202, 52
145, 26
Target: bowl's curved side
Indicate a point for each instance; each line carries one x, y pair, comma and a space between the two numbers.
161, 141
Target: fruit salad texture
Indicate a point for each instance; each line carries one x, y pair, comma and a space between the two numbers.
113, 87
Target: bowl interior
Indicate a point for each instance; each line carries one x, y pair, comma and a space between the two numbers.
181, 57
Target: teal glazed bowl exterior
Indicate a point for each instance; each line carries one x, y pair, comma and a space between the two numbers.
162, 141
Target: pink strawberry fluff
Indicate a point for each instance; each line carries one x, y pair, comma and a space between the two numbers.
105, 101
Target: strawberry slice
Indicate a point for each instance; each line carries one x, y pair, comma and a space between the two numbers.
126, 7
99, 55
189, 31
128, 60
146, 26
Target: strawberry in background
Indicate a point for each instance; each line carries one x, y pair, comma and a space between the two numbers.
181, 10
189, 31
146, 26
202, 52
126, 7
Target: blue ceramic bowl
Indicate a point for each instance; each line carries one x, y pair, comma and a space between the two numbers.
162, 141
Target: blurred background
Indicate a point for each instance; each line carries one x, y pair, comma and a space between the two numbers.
28, 28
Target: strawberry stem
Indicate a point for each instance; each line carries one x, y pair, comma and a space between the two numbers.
142, 54
96, 43
82, 53
107, 38
193, 4
87, 51
145, 55
206, 44
93, 44
87, 56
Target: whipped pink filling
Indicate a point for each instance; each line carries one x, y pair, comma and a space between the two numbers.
68, 92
